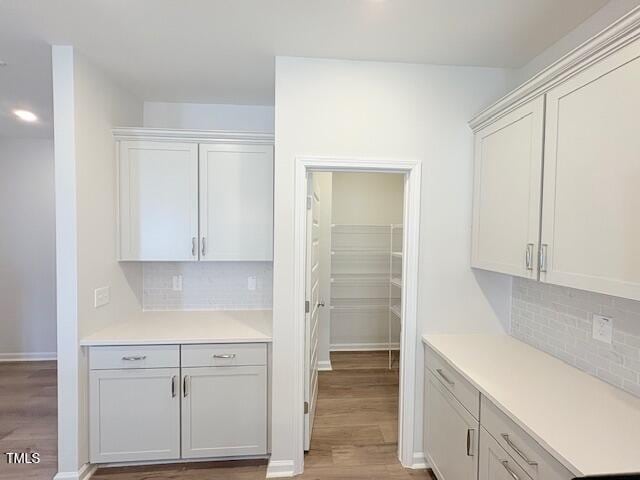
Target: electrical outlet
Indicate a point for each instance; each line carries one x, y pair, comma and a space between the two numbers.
602, 328
101, 296
177, 283
252, 283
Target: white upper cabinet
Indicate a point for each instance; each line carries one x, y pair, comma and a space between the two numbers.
507, 182
236, 202
158, 200
591, 205
189, 196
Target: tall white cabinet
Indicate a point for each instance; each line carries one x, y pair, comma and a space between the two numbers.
194, 196
577, 122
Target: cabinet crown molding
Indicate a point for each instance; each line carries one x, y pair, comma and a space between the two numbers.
193, 136
619, 34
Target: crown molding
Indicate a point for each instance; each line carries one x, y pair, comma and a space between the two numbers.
616, 36
193, 136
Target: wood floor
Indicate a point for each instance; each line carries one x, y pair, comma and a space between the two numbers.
28, 418
355, 434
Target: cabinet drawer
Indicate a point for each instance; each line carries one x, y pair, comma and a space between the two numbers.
535, 460
495, 463
134, 356
466, 393
224, 355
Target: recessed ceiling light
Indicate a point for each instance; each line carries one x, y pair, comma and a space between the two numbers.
25, 115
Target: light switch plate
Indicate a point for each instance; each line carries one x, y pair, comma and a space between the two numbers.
602, 328
177, 283
101, 296
252, 283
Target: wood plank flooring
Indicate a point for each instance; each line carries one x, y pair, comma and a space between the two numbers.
354, 438
28, 418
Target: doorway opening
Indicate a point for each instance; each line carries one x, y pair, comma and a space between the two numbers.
352, 335
356, 259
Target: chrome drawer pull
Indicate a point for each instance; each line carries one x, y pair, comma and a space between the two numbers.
173, 387
134, 358
185, 384
224, 355
517, 450
446, 379
529, 256
470, 436
506, 466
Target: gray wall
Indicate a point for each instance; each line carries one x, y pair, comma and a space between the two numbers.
27, 250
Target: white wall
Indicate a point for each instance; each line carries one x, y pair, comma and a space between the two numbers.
27, 250
87, 105
583, 32
200, 116
369, 109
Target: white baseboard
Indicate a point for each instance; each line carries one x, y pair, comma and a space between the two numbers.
324, 365
85, 472
28, 357
419, 461
280, 469
362, 347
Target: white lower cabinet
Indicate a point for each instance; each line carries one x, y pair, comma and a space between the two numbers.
224, 411
134, 415
450, 433
141, 410
495, 463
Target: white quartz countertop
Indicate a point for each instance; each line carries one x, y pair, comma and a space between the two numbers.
166, 328
592, 428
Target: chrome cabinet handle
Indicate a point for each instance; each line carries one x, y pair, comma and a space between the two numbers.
194, 246
134, 358
173, 387
321, 303
529, 256
517, 450
542, 260
446, 379
185, 383
224, 355
470, 436
506, 466
204, 246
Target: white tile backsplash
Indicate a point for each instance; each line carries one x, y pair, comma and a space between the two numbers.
558, 320
208, 286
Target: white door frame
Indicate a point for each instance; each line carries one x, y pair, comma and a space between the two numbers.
408, 341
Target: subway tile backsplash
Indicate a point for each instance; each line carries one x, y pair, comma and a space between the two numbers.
207, 286
558, 320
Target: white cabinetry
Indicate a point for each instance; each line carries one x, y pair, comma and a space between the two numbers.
134, 412
589, 228
188, 196
224, 411
507, 182
236, 202
158, 200
495, 464
590, 217
450, 433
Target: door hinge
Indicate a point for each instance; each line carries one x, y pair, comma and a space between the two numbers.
308, 202
306, 407
306, 306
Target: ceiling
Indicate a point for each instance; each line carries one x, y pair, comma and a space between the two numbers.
222, 51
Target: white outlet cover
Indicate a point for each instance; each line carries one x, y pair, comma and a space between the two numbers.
252, 283
101, 296
177, 283
602, 329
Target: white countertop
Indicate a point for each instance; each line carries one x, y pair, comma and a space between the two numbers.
166, 328
591, 427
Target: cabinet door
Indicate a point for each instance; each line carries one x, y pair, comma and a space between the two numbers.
450, 433
158, 201
507, 184
236, 202
224, 411
495, 463
134, 415
591, 204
